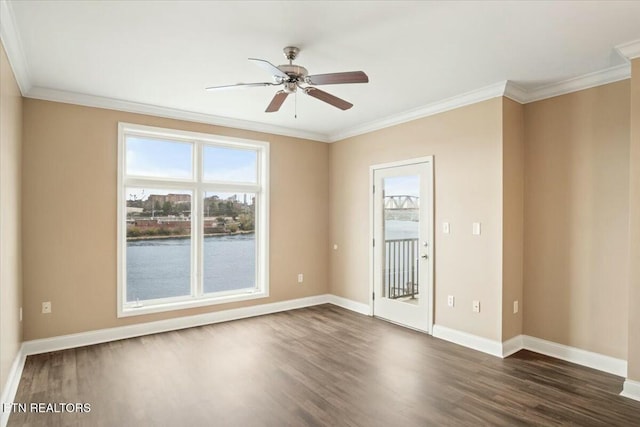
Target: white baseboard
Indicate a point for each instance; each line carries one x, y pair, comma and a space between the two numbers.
465, 339
512, 346
631, 389
576, 355
11, 387
352, 305
122, 332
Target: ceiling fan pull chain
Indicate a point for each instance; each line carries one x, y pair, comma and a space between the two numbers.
295, 99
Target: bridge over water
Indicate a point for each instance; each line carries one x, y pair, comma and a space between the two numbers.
401, 207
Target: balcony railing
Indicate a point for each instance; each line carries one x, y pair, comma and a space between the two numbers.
401, 273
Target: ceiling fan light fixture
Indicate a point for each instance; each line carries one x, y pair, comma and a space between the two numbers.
290, 87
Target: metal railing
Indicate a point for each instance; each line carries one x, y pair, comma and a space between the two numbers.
401, 272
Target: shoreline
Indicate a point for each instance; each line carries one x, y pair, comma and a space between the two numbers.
185, 236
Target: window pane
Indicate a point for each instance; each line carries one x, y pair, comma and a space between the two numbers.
158, 158
229, 248
229, 164
401, 238
158, 243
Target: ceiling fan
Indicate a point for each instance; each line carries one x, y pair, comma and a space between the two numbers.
293, 77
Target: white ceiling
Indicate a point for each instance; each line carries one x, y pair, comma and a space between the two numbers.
163, 53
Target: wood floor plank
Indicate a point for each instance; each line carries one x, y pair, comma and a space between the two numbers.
319, 366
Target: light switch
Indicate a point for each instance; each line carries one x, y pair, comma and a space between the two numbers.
451, 301
445, 227
476, 228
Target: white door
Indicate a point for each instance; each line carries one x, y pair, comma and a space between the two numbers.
403, 243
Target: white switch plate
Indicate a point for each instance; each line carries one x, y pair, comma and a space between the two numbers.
46, 307
445, 228
300, 278
515, 306
476, 306
451, 301
476, 228
21, 314
335, 247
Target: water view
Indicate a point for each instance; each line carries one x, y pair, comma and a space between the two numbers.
159, 255
161, 268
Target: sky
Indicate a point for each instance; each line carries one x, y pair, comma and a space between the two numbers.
408, 185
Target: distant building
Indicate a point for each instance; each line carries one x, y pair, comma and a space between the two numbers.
176, 199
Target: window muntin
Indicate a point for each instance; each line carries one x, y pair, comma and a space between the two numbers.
170, 256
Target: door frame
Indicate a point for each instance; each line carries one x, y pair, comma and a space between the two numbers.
429, 209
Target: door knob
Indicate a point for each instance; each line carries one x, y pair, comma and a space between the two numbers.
425, 256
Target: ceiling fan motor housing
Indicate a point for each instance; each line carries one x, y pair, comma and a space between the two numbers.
295, 72
297, 75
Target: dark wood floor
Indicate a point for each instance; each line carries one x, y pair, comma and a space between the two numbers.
319, 366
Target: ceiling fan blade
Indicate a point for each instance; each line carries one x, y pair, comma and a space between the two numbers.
240, 86
277, 101
338, 78
269, 68
328, 98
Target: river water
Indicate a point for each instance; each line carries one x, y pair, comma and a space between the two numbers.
160, 268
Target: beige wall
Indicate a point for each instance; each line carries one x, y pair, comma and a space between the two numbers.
466, 145
10, 245
69, 217
576, 219
513, 216
634, 229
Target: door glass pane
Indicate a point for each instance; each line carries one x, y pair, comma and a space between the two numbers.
401, 204
158, 243
230, 164
229, 247
158, 158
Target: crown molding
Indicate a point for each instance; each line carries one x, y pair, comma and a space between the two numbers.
598, 78
171, 113
516, 93
508, 89
629, 50
13, 46
468, 98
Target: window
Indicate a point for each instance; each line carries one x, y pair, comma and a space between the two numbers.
192, 219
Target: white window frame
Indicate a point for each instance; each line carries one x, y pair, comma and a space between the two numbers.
198, 187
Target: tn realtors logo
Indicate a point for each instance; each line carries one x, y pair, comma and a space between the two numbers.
41, 407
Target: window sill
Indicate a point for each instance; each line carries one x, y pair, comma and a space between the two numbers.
129, 311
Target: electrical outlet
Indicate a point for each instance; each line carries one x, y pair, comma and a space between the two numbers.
21, 314
335, 247
300, 278
476, 306
515, 306
46, 307
451, 301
